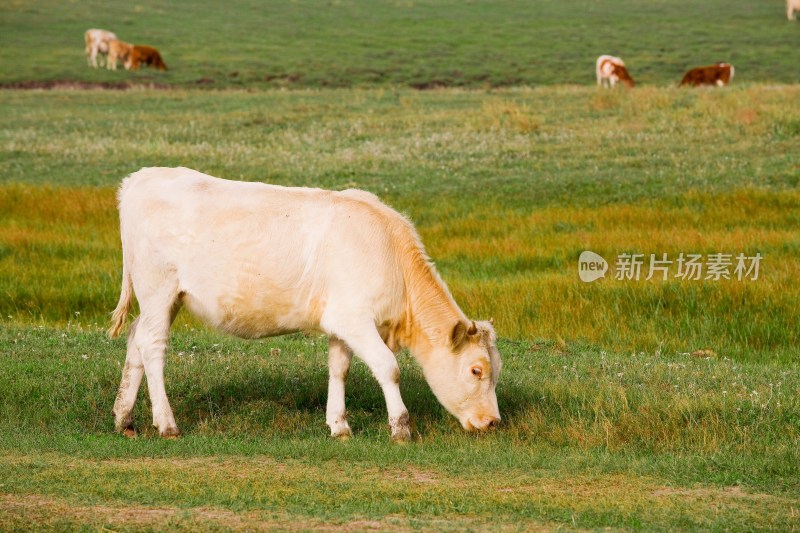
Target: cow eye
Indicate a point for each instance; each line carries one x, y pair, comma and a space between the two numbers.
477, 372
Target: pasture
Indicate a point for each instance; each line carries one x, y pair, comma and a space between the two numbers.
627, 404
407, 43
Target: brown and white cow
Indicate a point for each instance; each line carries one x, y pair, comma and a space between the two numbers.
119, 51
145, 55
718, 75
792, 7
97, 43
610, 70
258, 260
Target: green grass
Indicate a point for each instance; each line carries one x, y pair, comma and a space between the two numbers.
590, 439
420, 43
608, 418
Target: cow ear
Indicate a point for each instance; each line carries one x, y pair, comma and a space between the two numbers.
458, 336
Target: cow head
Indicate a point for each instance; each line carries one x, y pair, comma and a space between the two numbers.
463, 374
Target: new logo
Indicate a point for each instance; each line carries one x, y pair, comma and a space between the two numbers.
591, 266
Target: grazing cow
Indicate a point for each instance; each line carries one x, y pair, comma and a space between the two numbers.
792, 6
718, 75
146, 55
258, 260
611, 70
119, 51
97, 43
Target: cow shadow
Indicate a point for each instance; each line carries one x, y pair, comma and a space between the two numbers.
294, 401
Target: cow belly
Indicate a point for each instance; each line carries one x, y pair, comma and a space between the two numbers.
250, 301
251, 317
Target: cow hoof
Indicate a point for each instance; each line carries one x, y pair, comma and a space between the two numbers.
401, 429
340, 429
170, 433
401, 435
129, 432
343, 436
342, 433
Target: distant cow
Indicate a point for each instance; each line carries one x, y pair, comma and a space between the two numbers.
792, 6
611, 70
145, 55
97, 43
718, 75
257, 260
119, 51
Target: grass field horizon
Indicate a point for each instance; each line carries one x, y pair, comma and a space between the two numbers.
420, 43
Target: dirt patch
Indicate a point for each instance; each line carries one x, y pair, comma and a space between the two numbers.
431, 85
411, 474
80, 85
35, 510
733, 492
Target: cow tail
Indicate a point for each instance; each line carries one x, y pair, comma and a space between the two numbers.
124, 306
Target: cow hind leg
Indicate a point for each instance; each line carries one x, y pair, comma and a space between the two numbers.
151, 336
132, 374
367, 343
339, 359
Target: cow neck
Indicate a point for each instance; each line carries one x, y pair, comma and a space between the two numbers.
431, 311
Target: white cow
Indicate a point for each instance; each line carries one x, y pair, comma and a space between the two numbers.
610, 70
792, 7
97, 43
257, 260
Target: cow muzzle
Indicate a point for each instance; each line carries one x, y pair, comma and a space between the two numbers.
481, 422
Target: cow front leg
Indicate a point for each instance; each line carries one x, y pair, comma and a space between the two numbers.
129, 386
367, 343
339, 359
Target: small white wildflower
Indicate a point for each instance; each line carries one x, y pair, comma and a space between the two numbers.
85, 356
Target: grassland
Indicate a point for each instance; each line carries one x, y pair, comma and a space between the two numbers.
609, 420
635, 405
506, 187
419, 43
590, 440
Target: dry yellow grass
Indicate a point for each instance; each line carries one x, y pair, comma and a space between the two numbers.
519, 267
